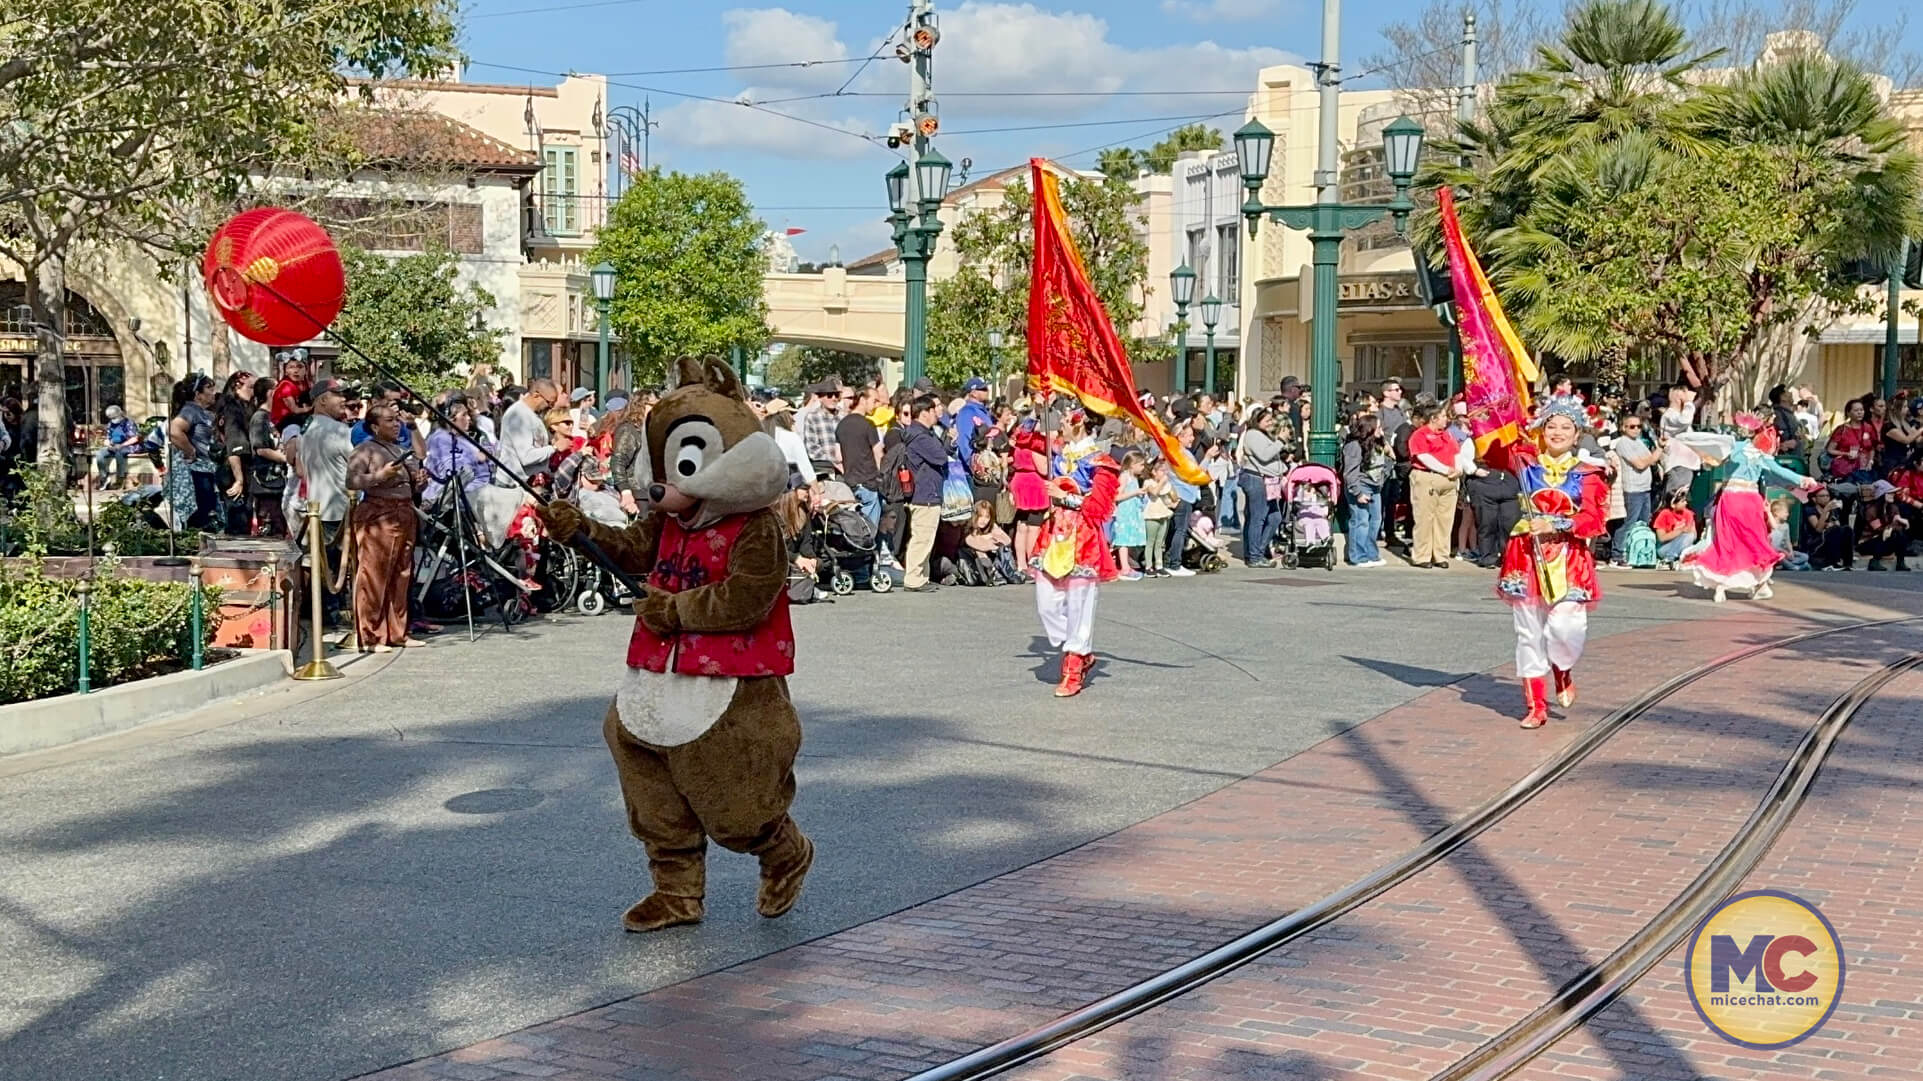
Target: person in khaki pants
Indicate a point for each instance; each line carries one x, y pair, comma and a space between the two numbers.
928, 457
1433, 478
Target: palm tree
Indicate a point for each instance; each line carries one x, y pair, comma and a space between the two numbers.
1828, 117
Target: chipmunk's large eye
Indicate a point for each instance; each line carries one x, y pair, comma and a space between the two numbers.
691, 445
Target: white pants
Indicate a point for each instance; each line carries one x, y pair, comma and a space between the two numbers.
1546, 636
1068, 612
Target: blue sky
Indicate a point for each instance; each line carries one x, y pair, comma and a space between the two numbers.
1154, 64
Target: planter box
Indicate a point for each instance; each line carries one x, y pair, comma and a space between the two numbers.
51, 722
254, 608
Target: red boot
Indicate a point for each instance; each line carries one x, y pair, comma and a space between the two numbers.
1074, 672
1565, 686
1536, 693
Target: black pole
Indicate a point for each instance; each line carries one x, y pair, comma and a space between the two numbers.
583, 541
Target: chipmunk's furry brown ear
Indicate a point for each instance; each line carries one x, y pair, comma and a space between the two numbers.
712, 372
688, 371
721, 378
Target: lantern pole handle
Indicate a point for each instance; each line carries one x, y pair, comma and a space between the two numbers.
581, 540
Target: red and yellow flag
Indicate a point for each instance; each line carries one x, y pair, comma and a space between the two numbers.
1497, 371
1072, 345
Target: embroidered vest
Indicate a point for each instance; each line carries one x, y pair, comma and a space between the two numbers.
688, 560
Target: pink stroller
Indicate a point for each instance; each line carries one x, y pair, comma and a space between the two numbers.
1310, 492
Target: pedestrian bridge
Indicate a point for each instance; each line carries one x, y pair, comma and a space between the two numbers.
833, 309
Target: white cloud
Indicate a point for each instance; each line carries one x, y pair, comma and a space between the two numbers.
987, 46
779, 36
1223, 10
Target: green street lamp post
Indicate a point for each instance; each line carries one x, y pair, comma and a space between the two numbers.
1893, 306
916, 229
1326, 221
1211, 313
602, 278
995, 359
1181, 289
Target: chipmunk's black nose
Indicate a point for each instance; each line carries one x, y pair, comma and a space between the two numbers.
657, 492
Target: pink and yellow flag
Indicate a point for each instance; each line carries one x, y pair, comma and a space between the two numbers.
1497, 371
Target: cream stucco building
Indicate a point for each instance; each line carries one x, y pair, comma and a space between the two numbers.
511, 179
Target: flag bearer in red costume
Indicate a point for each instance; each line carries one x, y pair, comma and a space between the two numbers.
1073, 349
1072, 559
1548, 575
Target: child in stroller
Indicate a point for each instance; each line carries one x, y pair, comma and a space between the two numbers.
1205, 551
1310, 492
845, 542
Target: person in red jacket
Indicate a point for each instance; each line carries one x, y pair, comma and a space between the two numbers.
1071, 559
1548, 575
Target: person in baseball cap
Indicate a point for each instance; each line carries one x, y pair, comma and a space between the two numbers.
971, 416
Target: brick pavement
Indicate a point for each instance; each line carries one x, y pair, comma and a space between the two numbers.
1405, 986
887, 998
1855, 850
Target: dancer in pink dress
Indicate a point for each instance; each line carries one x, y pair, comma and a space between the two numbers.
1738, 554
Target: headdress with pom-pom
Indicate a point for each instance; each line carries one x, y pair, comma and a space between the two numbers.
1560, 405
1748, 422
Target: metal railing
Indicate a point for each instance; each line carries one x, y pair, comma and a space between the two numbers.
562, 216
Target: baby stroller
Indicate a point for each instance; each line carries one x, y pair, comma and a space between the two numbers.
1205, 550
846, 544
1311, 492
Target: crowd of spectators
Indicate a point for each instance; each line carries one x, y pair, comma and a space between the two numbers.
952, 485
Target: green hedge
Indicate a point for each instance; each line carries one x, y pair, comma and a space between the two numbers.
136, 628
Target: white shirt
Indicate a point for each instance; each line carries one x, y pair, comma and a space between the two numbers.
324, 447
793, 449
524, 441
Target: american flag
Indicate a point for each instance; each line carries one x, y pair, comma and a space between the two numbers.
630, 164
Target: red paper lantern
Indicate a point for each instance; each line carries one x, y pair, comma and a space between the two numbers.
275, 276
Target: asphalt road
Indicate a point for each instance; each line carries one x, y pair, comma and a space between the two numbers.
336, 878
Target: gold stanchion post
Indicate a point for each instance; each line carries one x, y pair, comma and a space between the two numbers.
318, 668
273, 602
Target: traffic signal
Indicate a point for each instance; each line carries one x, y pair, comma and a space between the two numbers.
1913, 263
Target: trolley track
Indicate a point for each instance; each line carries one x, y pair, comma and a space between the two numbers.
1191, 975
1595, 988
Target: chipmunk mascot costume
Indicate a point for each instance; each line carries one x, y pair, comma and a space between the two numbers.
703, 734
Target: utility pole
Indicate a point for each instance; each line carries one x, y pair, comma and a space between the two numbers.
1893, 306
1465, 113
915, 198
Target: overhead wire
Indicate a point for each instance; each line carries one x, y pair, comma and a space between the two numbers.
879, 49
1083, 124
869, 139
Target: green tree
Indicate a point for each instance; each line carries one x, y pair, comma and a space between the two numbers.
990, 291
687, 250
1160, 158
1119, 163
1629, 210
798, 366
117, 114
411, 314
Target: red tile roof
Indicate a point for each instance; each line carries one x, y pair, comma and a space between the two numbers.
410, 137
